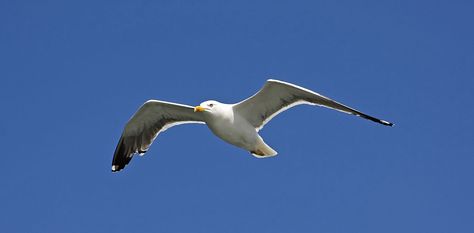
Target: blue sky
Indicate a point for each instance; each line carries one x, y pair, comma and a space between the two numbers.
72, 73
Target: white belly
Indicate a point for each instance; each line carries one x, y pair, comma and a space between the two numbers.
237, 132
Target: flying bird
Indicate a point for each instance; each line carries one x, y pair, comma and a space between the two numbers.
237, 124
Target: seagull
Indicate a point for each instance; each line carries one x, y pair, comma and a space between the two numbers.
237, 124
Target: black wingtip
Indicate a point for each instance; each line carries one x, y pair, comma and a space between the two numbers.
374, 119
121, 156
386, 123
116, 168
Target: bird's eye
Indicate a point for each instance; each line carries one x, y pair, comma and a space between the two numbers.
211, 105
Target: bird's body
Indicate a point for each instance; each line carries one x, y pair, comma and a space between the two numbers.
237, 124
231, 127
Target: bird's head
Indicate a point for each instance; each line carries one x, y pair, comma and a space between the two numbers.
208, 106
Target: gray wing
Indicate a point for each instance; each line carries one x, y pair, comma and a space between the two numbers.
277, 96
152, 118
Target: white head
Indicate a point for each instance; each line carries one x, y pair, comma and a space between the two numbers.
210, 106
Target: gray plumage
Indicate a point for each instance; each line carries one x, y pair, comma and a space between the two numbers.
237, 124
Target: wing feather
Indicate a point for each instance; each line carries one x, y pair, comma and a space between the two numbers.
277, 96
152, 118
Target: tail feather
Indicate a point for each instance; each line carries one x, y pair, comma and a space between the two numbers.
262, 150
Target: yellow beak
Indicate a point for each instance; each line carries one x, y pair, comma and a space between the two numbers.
199, 109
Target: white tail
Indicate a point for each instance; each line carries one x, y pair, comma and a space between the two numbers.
262, 150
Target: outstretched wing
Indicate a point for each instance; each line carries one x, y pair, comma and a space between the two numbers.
277, 96
152, 118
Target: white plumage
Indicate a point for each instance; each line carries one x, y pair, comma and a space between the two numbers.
237, 124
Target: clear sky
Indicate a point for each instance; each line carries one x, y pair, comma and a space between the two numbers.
73, 72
